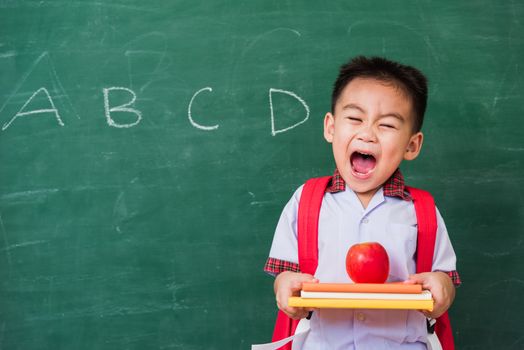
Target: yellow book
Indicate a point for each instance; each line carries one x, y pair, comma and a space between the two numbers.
361, 304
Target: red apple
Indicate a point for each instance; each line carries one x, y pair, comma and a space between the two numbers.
367, 262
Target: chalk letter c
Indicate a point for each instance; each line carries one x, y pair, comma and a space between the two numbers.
195, 124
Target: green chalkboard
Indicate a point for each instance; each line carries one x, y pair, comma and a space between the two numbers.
148, 147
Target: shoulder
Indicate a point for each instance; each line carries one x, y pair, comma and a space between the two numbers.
291, 207
418, 193
311, 187
314, 184
298, 193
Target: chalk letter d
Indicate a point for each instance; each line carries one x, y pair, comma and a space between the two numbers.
275, 131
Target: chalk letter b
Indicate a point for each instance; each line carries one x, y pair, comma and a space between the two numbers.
122, 108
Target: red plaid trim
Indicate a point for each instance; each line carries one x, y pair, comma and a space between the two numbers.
393, 187
276, 266
455, 278
337, 183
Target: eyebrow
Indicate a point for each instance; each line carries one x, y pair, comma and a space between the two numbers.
394, 115
360, 109
353, 106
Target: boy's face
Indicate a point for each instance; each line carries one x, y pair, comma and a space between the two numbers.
371, 133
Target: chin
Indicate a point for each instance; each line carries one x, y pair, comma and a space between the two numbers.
364, 189
359, 185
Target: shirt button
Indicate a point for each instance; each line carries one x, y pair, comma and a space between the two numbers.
365, 220
361, 317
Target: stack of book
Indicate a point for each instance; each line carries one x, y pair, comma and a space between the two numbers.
363, 296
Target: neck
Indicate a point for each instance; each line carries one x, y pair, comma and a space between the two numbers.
365, 197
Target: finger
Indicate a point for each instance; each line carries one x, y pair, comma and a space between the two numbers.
313, 280
307, 278
409, 281
296, 313
296, 285
418, 277
423, 279
427, 313
282, 299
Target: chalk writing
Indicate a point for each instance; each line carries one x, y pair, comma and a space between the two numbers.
55, 82
122, 108
115, 114
128, 107
22, 113
274, 131
195, 124
125, 115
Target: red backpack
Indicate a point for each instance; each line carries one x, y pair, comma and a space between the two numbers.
308, 213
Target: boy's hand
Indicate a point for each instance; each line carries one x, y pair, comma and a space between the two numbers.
441, 288
288, 284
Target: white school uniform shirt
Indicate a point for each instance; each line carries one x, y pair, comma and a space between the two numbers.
343, 222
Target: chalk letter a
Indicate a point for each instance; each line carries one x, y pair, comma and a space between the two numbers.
22, 113
289, 93
122, 108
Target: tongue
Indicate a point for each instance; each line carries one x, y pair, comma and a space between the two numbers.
363, 164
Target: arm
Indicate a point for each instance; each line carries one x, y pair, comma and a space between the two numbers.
441, 284
283, 259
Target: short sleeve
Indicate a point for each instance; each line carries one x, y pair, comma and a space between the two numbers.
444, 258
285, 247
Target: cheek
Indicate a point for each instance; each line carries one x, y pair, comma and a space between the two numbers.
343, 134
340, 143
393, 147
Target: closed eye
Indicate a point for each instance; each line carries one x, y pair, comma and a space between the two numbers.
354, 119
388, 126
391, 121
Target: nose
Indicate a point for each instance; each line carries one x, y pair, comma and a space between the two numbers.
367, 134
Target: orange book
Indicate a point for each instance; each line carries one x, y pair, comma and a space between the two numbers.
363, 287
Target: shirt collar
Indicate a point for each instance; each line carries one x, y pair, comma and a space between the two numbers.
393, 187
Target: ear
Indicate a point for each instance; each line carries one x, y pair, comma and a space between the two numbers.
329, 127
414, 146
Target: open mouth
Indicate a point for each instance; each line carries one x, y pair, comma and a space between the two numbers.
362, 163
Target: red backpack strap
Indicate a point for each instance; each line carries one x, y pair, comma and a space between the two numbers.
307, 232
427, 228
284, 327
307, 225
427, 232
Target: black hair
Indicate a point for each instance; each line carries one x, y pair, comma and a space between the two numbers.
409, 79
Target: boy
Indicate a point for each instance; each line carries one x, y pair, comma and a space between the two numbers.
374, 124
